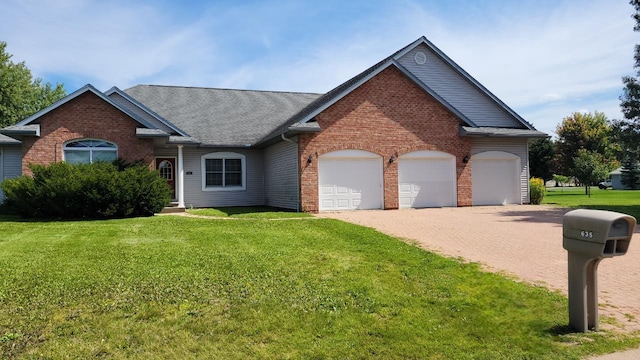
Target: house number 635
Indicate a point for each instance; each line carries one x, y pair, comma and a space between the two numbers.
586, 234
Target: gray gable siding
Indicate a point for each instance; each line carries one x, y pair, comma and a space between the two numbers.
10, 164
253, 195
518, 147
456, 90
281, 175
115, 97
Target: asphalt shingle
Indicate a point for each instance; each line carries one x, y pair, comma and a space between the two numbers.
222, 117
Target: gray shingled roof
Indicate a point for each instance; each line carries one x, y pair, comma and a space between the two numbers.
222, 117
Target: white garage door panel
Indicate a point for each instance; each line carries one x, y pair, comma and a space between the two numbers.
495, 181
428, 181
350, 183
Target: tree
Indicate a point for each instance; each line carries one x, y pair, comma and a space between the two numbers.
20, 94
631, 170
561, 179
589, 168
627, 130
591, 132
541, 154
630, 106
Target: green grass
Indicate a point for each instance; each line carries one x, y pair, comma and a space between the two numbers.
624, 201
191, 288
255, 212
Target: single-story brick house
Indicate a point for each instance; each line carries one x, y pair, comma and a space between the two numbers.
414, 130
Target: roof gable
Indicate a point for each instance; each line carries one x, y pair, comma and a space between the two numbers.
453, 99
454, 85
73, 95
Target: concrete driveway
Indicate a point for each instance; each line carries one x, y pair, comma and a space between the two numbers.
524, 241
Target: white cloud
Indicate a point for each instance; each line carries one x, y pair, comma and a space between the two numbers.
102, 42
557, 60
544, 59
578, 50
551, 97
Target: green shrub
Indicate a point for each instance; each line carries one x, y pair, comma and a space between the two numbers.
93, 191
536, 190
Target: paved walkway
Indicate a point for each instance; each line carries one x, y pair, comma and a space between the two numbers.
523, 240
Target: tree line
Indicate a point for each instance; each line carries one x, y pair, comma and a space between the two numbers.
589, 146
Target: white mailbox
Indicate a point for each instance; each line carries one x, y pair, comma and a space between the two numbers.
590, 236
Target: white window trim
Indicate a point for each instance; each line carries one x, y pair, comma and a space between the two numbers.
90, 150
223, 155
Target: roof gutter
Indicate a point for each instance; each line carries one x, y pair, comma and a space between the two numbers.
21, 130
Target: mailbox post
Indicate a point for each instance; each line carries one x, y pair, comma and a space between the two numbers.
590, 236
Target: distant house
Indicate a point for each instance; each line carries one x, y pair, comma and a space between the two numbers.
616, 180
414, 130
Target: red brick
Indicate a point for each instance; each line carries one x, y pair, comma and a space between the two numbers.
86, 116
389, 114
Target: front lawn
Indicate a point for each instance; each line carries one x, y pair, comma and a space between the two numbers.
253, 212
191, 288
624, 201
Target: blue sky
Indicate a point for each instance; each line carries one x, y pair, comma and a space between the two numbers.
545, 59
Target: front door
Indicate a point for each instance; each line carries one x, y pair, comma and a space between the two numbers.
167, 169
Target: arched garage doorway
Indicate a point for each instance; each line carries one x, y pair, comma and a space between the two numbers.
350, 180
426, 179
495, 177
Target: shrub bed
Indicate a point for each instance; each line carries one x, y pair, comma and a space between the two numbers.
87, 191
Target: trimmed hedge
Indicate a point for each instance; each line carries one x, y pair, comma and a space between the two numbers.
87, 191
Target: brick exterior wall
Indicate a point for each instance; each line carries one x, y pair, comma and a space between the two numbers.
86, 116
389, 114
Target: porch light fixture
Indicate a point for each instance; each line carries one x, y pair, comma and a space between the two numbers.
392, 158
465, 159
310, 159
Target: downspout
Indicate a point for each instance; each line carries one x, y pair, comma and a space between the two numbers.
286, 139
180, 178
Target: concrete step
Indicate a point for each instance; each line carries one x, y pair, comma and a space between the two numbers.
172, 208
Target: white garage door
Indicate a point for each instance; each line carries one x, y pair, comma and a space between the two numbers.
426, 179
349, 180
496, 178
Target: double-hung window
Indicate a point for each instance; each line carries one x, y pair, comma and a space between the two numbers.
87, 151
223, 171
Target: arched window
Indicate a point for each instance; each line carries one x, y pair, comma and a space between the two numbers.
88, 151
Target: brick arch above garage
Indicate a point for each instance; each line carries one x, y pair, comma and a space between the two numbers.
388, 115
